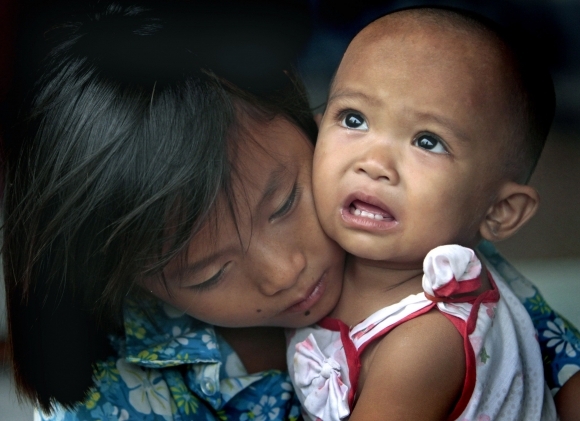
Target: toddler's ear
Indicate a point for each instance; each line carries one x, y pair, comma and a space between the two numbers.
514, 206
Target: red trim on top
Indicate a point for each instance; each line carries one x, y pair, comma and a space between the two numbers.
353, 362
489, 296
386, 330
470, 366
352, 358
454, 287
465, 329
329, 323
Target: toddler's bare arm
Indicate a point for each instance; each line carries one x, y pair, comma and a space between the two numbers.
416, 372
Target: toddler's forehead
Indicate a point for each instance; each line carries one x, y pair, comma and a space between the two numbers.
381, 38
403, 44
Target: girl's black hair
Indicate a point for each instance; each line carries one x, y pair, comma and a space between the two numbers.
126, 129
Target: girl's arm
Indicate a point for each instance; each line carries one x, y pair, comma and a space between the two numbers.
416, 372
559, 339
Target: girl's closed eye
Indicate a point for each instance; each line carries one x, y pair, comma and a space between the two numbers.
354, 120
288, 204
213, 280
283, 210
430, 143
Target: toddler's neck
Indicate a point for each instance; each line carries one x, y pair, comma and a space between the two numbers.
371, 285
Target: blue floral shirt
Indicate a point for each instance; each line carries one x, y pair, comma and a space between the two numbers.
173, 367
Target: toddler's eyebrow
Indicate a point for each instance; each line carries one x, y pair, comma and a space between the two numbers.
421, 116
441, 120
345, 93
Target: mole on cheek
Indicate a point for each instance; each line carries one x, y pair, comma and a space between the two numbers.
258, 310
307, 313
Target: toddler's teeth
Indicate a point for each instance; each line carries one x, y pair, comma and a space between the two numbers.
354, 211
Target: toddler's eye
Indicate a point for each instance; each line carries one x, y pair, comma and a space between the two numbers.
355, 121
430, 143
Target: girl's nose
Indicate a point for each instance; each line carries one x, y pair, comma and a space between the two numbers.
279, 270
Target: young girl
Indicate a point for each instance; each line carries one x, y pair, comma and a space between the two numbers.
139, 172
136, 173
432, 127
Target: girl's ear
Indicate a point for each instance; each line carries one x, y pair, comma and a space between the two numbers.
513, 207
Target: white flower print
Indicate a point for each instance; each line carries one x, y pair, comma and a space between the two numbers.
234, 366
123, 414
288, 391
180, 336
567, 371
147, 391
558, 337
208, 340
266, 409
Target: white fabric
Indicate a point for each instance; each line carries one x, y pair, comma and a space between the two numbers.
325, 391
445, 264
509, 380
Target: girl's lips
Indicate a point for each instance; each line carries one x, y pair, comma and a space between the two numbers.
311, 298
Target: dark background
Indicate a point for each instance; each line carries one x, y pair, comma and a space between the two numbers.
552, 26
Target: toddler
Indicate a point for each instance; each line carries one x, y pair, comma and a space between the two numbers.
432, 129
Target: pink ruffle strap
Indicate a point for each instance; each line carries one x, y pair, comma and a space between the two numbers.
450, 270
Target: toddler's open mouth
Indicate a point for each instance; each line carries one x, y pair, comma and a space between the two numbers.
366, 210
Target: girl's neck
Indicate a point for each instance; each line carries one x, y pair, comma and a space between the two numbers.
371, 285
259, 348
